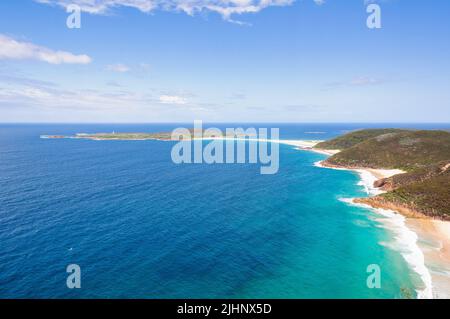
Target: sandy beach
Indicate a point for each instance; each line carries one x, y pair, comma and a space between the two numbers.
427, 240
434, 241
309, 146
383, 173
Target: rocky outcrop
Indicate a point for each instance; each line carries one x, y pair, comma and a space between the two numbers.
406, 209
379, 202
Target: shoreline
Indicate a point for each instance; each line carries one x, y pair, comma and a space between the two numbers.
425, 240
434, 241
432, 238
406, 240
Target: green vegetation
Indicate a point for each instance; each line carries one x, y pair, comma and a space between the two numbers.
165, 136
424, 155
406, 293
353, 138
406, 150
419, 174
430, 196
126, 136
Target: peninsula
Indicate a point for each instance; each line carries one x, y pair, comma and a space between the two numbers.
115, 136
424, 157
418, 160
125, 136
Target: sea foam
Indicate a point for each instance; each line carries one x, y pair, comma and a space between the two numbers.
406, 244
405, 239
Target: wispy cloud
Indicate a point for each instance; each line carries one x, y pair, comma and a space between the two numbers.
303, 107
356, 82
238, 96
114, 84
24, 81
120, 68
11, 49
172, 99
22, 91
72, 99
365, 81
29, 92
226, 8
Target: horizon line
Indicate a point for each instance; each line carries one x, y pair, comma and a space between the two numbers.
223, 122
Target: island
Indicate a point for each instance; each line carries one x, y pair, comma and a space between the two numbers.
114, 136
125, 136
420, 160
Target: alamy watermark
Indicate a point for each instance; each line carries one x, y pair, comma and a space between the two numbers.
74, 19
374, 279
74, 279
212, 146
373, 20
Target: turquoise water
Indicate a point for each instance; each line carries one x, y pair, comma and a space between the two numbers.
140, 226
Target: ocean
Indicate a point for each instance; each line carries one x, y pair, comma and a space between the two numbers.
140, 226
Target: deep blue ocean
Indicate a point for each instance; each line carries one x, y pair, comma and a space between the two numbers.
140, 226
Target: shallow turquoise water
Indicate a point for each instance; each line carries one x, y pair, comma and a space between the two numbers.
140, 226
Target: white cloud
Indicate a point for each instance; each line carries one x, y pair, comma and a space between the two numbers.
356, 82
364, 80
23, 91
172, 99
226, 8
16, 50
121, 68
58, 98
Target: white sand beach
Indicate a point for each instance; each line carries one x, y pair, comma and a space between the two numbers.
432, 238
425, 241
434, 242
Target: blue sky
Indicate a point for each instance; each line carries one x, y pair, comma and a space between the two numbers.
224, 61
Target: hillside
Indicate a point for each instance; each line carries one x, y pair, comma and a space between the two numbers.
353, 138
420, 174
430, 197
406, 150
425, 156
